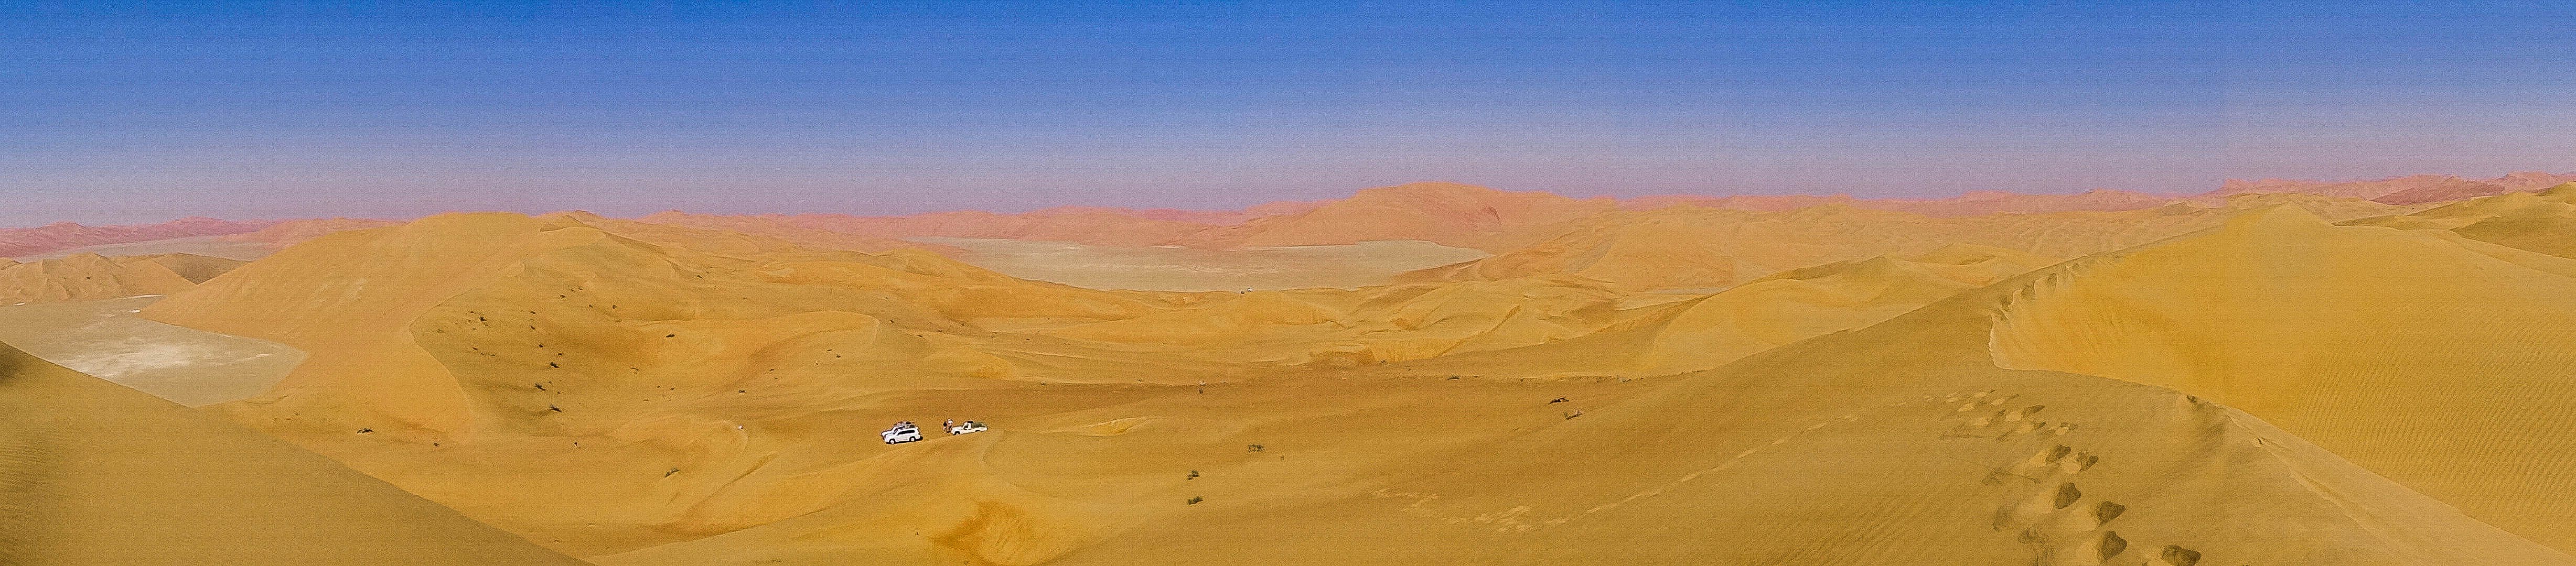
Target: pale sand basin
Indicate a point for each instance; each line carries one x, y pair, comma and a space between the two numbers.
1173, 268
109, 339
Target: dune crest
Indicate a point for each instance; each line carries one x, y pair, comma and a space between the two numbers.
20, 242
2311, 325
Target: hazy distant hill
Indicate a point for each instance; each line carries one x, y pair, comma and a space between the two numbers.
16, 242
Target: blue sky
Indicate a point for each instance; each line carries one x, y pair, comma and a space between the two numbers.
125, 114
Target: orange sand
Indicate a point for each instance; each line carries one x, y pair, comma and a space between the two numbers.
2268, 379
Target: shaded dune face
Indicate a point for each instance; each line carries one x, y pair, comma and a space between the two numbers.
1893, 388
94, 473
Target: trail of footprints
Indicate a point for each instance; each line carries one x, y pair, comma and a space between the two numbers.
2043, 507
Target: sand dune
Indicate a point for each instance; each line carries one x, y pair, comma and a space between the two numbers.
1086, 225
23, 242
88, 276
1502, 222
1687, 247
355, 323
2428, 357
1177, 268
293, 231
723, 389
94, 473
1900, 443
209, 246
2411, 189
1977, 203
1449, 214
1670, 333
2542, 222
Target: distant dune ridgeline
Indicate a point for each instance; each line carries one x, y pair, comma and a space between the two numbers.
289, 232
1495, 221
1117, 227
1972, 204
1446, 213
2543, 222
2411, 189
1686, 247
19, 242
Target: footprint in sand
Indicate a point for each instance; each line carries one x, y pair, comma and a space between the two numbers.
2048, 512
2062, 528
2175, 556
2026, 427
2014, 422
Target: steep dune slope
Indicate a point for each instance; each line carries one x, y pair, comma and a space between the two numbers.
348, 298
195, 268
2430, 358
94, 473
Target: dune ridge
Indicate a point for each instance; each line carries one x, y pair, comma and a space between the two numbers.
2410, 189
1693, 247
19, 242
2311, 325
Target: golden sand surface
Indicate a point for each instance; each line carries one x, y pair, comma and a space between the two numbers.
2384, 345
2276, 379
1180, 268
92, 473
